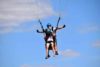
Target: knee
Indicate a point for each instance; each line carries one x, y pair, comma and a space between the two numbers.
52, 45
47, 45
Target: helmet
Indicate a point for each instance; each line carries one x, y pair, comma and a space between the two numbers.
49, 25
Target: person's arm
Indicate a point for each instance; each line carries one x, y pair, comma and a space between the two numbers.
39, 31
41, 25
60, 27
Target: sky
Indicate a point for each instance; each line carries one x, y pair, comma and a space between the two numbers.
78, 43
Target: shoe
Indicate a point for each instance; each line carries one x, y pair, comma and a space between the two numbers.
47, 57
56, 53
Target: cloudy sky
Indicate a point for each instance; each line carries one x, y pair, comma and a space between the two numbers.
13, 13
78, 43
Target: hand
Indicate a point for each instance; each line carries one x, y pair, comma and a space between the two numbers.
64, 26
37, 30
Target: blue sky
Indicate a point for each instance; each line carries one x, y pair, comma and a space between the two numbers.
78, 43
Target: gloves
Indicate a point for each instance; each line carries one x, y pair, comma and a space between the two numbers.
64, 26
37, 31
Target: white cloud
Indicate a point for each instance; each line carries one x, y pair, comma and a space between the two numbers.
15, 12
70, 53
25, 65
96, 44
47, 65
41, 65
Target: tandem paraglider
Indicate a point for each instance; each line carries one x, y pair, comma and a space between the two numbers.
50, 37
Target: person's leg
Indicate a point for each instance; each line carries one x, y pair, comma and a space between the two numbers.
47, 51
56, 49
53, 48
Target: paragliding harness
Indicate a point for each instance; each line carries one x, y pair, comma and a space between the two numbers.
49, 38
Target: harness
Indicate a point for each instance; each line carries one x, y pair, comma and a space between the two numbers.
49, 37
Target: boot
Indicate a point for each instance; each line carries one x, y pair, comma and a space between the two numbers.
47, 57
56, 53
